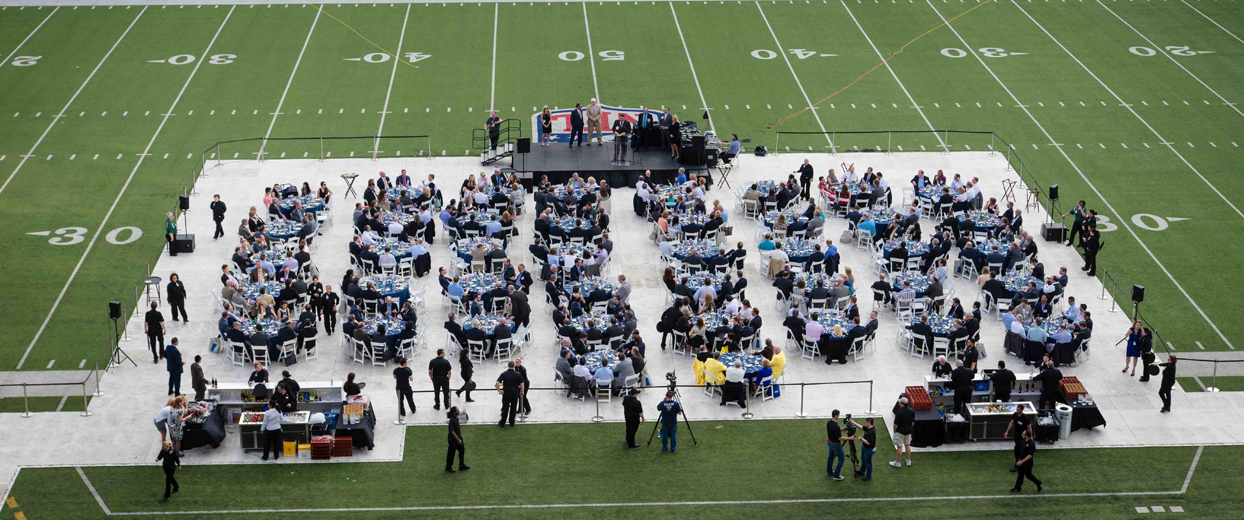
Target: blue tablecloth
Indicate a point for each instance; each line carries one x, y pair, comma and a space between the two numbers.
488, 322
931, 192
387, 217
798, 249
310, 204
282, 229
882, 217
712, 319
392, 326
389, 285
251, 290
398, 248
394, 193
512, 194
694, 282
479, 283
751, 362
983, 220
942, 324
592, 359
991, 245
588, 285
810, 279
669, 191
573, 250
765, 187
1017, 282
919, 283
580, 323
705, 248
466, 245
1050, 326
274, 255
914, 249
771, 217
569, 223
481, 216
830, 318
854, 189
687, 217
270, 326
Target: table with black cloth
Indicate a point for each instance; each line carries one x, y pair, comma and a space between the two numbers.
362, 432
209, 432
1084, 414
929, 431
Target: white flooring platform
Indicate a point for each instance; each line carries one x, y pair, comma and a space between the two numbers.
120, 430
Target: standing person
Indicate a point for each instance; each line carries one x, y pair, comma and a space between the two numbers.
904, 419
456, 444
218, 216
634, 412
172, 463
621, 131
170, 232
1021, 424
1091, 247
834, 438
805, 179
197, 380
1147, 357
328, 308
669, 409
177, 297
510, 387
175, 366
576, 125
1132, 356
1025, 465
493, 125
153, 325
403, 375
868, 443
593, 123
272, 431
961, 377
546, 126
467, 370
161, 419
1080, 212
439, 371
664, 123
522, 370
1168, 382
177, 423
1003, 382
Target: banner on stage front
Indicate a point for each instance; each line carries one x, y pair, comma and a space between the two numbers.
561, 122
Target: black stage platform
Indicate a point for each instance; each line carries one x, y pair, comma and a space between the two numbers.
559, 161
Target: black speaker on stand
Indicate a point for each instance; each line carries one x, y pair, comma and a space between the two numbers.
697, 148
1138, 296
522, 147
1050, 230
119, 336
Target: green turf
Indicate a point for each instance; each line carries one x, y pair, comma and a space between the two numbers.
93, 150
1223, 383
588, 464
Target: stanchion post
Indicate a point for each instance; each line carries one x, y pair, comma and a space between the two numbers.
597, 417
871, 410
889, 141
98, 392
801, 392
777, 138
1007, 168
429, 147
321, 149
945, 142
25, 401
220, 151
1113, 303
747, 401
991, 142
86, 403
1213, 383
833, 143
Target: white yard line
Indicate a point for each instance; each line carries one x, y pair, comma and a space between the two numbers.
792, 73
1128, 106
277, 113
692, 65
1173, 60
66, 107
492, 93
1192, 469
590, 56
107, 216
397, 58
99, 500
1121, 221
32, 33
900, 82
1211, 20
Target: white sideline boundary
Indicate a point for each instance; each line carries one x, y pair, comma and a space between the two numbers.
1061, 150
1183, 490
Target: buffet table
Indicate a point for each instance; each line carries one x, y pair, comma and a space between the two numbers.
988, 421
295, 427
205, 430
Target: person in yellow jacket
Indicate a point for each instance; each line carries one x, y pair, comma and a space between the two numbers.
716, 369
778, 363
697, 366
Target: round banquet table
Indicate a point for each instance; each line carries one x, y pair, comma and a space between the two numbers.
764, 187
580, 324
389, 285
931, 192
1017, 282
560, 191
991, 245
483, 217
914, 249
712, 320
798, 249
669, 191
592, 359
392, 326
270, 326
398, 248
479, 283
770, 218
388, 217
588, 285
705, 248
942, 324
982, 220
919, 282
512, 194
831, 318
310, 204
568, 223
251, 290
751, 362
573, 250
282, 229
688, 217
810, 279
273, 255
694, 282
882, 217
466, 245
488, 322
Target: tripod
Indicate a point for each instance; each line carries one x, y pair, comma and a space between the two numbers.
673, 387
855, 459
118, 355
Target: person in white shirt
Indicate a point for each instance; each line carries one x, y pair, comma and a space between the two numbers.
734, 390
732, 308
779, 254
956, 183
704, 290
735, 373
667, 248
580, 370
368, 237
395, 228
481, 199
272, 431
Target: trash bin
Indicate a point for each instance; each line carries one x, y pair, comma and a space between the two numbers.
1064, 420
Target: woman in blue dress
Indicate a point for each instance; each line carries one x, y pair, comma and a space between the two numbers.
1133, 347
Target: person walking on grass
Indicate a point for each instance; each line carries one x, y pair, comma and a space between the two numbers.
1025, 465
171, 463
904, 420
456, 445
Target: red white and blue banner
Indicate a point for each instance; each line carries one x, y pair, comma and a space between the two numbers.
561, 122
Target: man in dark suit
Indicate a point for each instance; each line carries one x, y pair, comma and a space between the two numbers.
795, 324
174, 365
643, 124
1091, 247
922, 331
805, 179
576, 124
621, 134
667, 120
455, 329
961, 379
501, 333
478, 334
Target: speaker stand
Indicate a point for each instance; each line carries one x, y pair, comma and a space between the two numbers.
119, 355
185, 219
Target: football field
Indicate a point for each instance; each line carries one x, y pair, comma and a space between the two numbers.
1130, 105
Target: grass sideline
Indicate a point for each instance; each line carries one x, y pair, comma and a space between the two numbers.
780, 460
1225, 383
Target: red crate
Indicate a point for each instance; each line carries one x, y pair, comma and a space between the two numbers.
343, 447
321, 448
1071, 387
918, 398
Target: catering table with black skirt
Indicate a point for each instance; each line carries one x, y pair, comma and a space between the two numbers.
1084, 413
988, 421
929, 430
362, 430
207, 429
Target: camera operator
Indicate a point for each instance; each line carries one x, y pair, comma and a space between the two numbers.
868, 442
834, 439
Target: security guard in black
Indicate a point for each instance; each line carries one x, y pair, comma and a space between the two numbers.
510, 386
